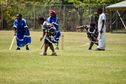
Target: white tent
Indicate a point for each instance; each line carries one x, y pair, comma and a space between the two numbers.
121, 6
118, 6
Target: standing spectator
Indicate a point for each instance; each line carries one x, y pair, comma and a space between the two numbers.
22, 32
54, 20
101, 30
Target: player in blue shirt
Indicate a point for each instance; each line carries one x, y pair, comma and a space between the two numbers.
22, 32
54, 20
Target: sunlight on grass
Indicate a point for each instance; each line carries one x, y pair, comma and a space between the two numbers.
73, 65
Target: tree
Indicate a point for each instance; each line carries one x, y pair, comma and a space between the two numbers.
10, 7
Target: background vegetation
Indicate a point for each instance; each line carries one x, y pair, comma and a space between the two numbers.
73, 10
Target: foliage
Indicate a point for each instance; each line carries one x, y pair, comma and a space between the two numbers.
11, 7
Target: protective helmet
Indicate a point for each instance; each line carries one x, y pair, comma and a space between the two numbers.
53, 13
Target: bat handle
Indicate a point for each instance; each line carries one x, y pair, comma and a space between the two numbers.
12, 43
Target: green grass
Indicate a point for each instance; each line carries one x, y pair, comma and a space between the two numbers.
73, 65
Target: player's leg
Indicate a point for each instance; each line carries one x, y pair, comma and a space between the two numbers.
18, 44
96, 43
45, 49
91, 44
57, 39
17, 48
52, 49
27, 48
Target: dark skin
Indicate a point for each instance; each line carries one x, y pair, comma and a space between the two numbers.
51, 47
91, 44
46, 44
103, 22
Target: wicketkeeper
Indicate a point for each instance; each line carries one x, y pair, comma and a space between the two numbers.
92, 34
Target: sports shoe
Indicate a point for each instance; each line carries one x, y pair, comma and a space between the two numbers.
18, 48
27, 48
98, 49
89, 48
43, 54
54, 54
57, 48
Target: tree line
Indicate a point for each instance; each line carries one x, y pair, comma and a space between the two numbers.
10, 7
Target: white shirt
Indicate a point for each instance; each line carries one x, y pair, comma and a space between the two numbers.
101, 18
45, 25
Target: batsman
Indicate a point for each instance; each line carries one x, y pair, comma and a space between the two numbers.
49, 33
22, 32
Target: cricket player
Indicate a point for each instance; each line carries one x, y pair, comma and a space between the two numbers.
54, 20
22, 32
49, 32
92, 34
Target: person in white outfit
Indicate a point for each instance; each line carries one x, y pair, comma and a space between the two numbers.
101, 30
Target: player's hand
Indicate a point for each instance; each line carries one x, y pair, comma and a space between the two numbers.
25, 27
53, 22
15, 34
101, 31
41, 38
52, 25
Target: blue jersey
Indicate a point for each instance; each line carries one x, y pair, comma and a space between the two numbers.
23, 34
54, 20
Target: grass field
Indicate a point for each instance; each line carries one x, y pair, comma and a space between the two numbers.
73, 65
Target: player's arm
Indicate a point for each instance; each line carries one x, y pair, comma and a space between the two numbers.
15, 31
15, 28
103, 23
44, 33
25, 24
55, 22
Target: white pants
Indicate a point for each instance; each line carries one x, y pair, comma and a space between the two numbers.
101, 40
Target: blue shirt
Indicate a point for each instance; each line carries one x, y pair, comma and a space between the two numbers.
23, 34
22, 27
54, 20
